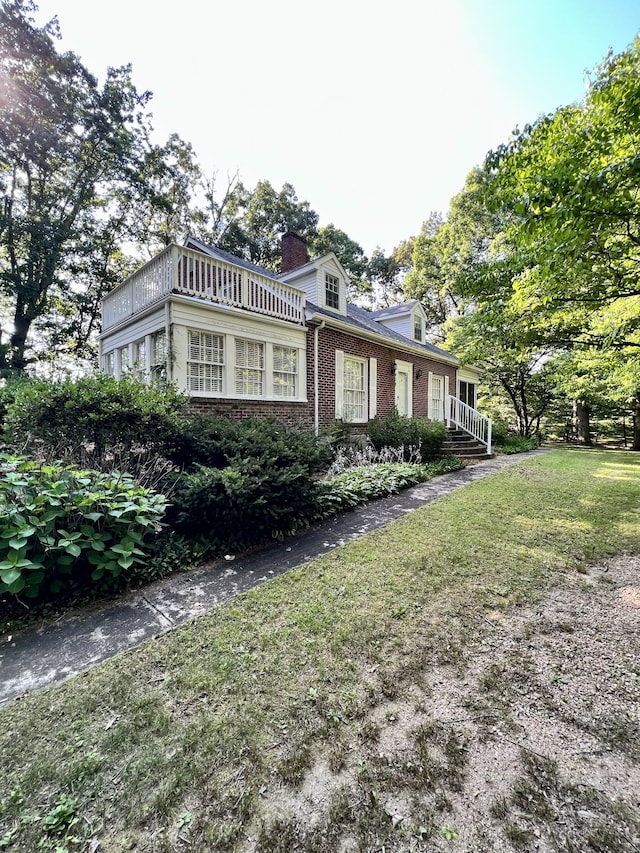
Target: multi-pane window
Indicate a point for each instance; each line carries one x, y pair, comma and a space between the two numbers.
332, 291
205, 363
124, 359
285, 370
109, 363
139, 356
355, 393
159, 356
417, 328
249, 368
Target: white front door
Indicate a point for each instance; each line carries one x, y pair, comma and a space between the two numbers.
402, 393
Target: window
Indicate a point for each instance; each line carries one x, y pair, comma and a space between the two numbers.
249, 368
159, 356
139, 356
417, 328
285, 371
124, 360
206, 360
354, 389
332, 291
109, 363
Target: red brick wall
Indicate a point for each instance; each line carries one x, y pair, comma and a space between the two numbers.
329, 341
288, 412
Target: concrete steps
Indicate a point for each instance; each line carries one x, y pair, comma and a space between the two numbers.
465, 446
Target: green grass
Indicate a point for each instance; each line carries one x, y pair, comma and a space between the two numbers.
177, 743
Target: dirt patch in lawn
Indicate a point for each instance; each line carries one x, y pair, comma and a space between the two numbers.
529, 739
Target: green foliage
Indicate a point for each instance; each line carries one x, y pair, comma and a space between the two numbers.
394, 430
61, 528
95, 410
359, 485
217, 442
245, 480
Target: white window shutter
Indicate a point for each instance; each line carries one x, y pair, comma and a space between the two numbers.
373, 387
339, 384
430, 398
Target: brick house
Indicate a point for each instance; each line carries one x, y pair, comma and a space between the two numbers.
243, 340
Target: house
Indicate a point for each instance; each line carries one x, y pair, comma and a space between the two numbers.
240, 339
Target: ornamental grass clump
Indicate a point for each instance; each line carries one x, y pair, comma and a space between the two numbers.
67, 530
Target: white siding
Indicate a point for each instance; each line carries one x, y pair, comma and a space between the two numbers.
403, 325
134, 331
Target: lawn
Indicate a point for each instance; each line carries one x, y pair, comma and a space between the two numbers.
314, 713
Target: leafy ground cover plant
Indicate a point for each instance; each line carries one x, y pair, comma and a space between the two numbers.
359, 485
63, 528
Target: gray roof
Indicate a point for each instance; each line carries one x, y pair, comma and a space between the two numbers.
357, 317
394, 310
364, 320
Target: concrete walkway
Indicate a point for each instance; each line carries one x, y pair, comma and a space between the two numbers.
55, 650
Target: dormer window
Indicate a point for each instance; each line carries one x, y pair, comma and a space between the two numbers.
417, 328
332, 291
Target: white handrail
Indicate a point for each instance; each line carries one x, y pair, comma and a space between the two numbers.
470, 420
192, 273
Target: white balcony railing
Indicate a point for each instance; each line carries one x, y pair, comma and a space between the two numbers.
470, 420
179, 270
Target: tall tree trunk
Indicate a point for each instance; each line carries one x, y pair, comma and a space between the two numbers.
636, 423
581, 414
22, 324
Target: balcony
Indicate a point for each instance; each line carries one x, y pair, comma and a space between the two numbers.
180, 270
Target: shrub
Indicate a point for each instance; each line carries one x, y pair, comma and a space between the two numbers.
218, 442
240, 505
95, 412
516, 444
246, 480
9, 387
62, 529
506, 441
394, 430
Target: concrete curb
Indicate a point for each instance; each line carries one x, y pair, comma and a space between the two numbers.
56, 650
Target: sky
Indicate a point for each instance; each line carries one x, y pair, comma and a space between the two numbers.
374, 111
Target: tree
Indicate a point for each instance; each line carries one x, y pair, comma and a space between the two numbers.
69, 147
350, 254
448, 255
264, 215
572, 179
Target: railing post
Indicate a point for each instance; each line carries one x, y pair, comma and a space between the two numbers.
174, 264
489, 438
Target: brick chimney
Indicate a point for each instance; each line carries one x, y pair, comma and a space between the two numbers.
294, 251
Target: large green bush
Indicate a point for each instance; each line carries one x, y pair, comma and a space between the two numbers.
64, 529
394, 430
218, 442
95, 411
244, 480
